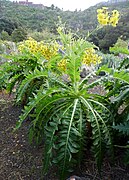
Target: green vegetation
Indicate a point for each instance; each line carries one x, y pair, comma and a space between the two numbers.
121, 46
65, 112
82, 22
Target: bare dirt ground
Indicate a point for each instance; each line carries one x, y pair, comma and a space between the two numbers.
21, 161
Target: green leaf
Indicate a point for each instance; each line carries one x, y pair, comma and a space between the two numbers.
122, 127
25, 83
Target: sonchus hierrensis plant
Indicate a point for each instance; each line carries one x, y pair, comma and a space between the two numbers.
62, 111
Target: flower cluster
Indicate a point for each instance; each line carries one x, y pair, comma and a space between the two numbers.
90, 57
48, 50
62, 65
106, 18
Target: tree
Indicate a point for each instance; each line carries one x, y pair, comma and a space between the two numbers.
19, 35
5, 36
7, 25
44, 35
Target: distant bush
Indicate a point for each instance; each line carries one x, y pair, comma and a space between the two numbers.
19, 35
44, 35
5, 36
7, 25
121, 46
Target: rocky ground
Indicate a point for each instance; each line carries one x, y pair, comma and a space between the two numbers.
21, 161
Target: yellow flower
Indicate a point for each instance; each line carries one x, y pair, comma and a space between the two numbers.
101, 16
104, 21
45, 49
99, 10
113, 21
62, 65
90, 57
115, 13
104, 18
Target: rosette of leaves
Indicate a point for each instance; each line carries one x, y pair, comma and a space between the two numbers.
64, 114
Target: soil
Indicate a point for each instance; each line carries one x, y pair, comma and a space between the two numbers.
21, 161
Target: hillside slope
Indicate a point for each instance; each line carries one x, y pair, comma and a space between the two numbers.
13, 15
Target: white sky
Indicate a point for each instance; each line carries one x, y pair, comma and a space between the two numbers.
68, 4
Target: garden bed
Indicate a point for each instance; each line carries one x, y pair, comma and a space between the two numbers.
21, 161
